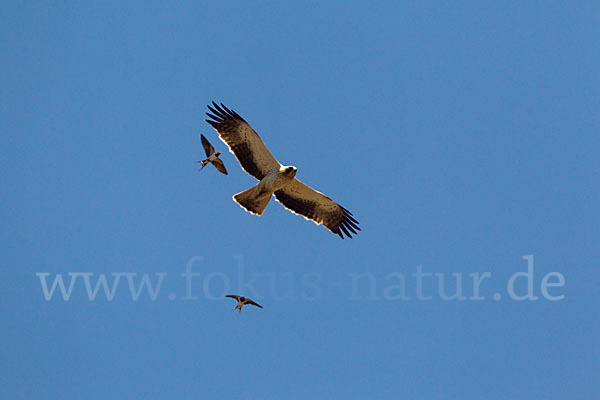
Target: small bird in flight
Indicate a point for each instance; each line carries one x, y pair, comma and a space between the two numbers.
242, 301
275, 179
213, 157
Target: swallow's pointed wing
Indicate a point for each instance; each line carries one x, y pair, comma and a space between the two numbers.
242, 140
234, 296
218, 163
248, 301
208, 148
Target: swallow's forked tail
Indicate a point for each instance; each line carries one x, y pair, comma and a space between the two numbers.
203, 163
253, 203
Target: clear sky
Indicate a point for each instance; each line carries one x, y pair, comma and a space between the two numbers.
462, 135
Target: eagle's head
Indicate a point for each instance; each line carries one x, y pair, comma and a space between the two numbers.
290, 170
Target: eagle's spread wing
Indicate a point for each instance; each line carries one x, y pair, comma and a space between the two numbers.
248, 301
242, 141
304, 200
208, 148
218, 163
234, 296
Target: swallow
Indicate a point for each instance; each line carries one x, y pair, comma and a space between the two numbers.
213, 157
242, 301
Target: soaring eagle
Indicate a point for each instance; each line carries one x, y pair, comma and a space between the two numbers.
275, 178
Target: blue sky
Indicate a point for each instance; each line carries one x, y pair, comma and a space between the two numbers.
462, 135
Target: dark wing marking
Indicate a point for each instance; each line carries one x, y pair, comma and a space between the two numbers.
234, 296
248, 301
218, 163
208, 148
311, 204
242, 140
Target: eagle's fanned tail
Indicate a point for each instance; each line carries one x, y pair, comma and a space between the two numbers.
251, 202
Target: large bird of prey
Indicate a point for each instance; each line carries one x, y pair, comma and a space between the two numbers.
275, 178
